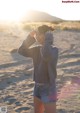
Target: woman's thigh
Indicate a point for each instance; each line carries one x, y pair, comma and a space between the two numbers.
38, 105
45, 94
50, 107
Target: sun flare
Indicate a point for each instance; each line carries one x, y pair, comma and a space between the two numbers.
13, 10
16, 10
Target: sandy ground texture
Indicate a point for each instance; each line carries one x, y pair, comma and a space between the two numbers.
16, 84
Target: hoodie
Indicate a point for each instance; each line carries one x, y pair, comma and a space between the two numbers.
44, 57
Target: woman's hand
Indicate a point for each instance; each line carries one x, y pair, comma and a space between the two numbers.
33, 33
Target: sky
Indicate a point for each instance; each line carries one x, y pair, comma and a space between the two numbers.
15, 10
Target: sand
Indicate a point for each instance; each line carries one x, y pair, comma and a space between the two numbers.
16, 79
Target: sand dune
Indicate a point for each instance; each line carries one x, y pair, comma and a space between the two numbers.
16, 84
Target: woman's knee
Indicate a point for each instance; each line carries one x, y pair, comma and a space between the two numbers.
50, 107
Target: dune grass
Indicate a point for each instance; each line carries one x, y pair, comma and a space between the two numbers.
68, 25
64, 25
28, 26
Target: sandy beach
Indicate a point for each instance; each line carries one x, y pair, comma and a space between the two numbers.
16, 79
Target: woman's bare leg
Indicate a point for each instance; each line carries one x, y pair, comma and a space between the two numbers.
38, 106
50, 107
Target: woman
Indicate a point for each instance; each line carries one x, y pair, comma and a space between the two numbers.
45, 57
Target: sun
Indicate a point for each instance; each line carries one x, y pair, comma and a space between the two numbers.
16, 10
13, 10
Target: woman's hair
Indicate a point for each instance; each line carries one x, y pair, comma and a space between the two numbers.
44, 28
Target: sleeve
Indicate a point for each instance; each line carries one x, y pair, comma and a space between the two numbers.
25, 49
52, 66
46, 50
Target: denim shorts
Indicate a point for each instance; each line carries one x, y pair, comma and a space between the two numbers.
46, 93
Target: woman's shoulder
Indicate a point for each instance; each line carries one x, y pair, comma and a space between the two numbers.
54, 47
55, 51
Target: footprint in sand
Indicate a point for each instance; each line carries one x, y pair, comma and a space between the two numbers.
9, 99
17, 103
61, 111
32, 104
31, 85
22, 109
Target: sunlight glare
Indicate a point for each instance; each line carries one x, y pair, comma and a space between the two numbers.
13, 10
